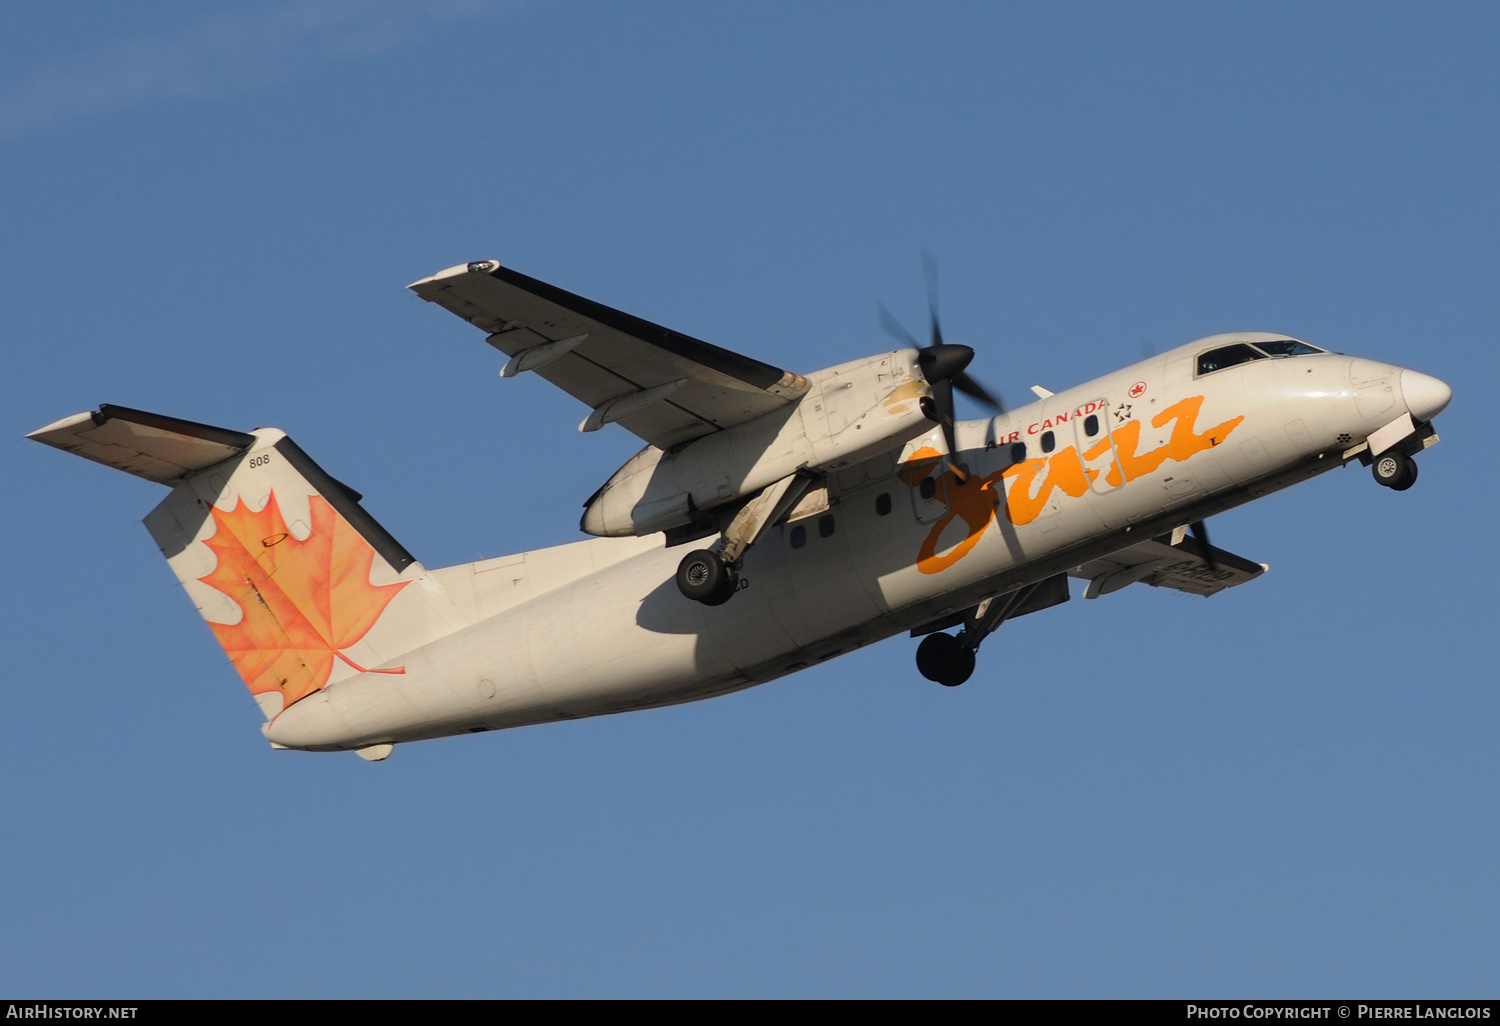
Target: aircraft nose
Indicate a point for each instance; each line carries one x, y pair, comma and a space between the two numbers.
1426, 396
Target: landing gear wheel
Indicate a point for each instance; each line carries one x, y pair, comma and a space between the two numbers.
1395, 470
703, 577
944, 659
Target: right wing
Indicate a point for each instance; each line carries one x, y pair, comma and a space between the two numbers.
1162, 564
665, 387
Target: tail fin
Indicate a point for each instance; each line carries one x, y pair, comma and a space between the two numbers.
299, 583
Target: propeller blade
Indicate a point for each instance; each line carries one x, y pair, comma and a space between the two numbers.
942, 406
895, 328
930, 270
1200, 535
974, 390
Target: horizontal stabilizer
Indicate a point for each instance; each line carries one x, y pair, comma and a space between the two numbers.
1162, 564
160, 449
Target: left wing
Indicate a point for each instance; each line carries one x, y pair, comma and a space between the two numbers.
1171, 561
665, 387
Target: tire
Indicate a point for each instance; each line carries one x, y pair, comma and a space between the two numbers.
703, 577
726, 590
944, 659
1395, 471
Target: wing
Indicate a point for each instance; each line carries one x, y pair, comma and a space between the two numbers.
1162, 564
662, 386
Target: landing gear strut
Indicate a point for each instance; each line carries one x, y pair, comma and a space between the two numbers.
703, 577
1396, 470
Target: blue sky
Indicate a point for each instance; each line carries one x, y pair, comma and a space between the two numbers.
211, 212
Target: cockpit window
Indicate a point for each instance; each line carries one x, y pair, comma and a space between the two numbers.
1289, 347
1242, 352
1228, 356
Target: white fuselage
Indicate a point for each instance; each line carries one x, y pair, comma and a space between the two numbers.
599, 626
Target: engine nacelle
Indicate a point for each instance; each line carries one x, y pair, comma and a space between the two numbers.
848, 414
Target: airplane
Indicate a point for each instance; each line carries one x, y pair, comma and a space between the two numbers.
772, 520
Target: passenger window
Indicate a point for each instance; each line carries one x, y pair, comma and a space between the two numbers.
825, 526
1049, 441
1091, 425
799, 536
1228, 356
1018, 452
928, 487
882, 504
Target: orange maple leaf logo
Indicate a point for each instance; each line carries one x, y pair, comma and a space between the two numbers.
303, 601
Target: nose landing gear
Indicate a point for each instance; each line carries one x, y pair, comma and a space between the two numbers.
1388, 451
1396, 470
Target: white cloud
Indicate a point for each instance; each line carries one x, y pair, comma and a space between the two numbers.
216, 55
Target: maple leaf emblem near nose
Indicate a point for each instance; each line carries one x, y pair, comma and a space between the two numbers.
303, 602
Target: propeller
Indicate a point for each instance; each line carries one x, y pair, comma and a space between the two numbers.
961, 380
944, 366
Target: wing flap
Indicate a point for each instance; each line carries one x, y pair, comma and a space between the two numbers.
1162, 564
621, 354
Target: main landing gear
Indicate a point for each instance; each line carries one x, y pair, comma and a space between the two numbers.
948, 659
712, 577
1396, 470
703, 577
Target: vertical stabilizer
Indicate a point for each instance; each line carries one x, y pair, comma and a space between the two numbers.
300, 585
